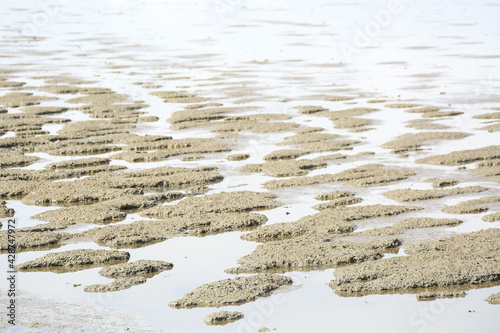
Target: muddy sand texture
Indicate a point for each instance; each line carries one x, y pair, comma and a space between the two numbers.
484, 241
463, 156
402, 274
11, 158
107, 211
416, 195
142, 233
493, 299
327, 222
432, 295
474, 206
79, 163
222, 317
226, 202
30, 240
365, 175
5, 211
411, 223
413, 141
140, 267
311, 252
237, 157
116, 285
234, 291
72, 258
284, 168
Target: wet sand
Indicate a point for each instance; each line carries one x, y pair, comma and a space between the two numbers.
207, 186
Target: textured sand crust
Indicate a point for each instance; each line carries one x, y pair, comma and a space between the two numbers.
227, 202
284, 168
75, 259
107, 211
432, 295
139, 267
141, 233
411, 223
326, 222
463, 156
223, 317
10, 158
403, 274
416, 195
237, 157
5, 211
116, 285
79, 163
365, 175
413, 141
493, 299
484, 241
311, 252
473, 206
30, 240
234, 291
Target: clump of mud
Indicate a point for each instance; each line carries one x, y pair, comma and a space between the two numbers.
140, 267
484, 241
284, 168
432, 295
438, 183
411, 223
415, 195
327, 222
464, 156
285, 154
17, 99
471, 206
365, 175
232, 291
5, 211
142, 233
493, 299
413, 141
404, 274
334, 195
237, 157
11, 158
30, 240
226, 202
116, 285
311, 252
75, 258
223, 317
79, 163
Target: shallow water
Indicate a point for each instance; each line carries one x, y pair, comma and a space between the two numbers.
282, 55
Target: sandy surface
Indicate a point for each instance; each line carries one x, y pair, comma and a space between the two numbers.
297, 166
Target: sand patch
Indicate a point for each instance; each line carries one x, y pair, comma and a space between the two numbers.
222, 317
284, 168
18, 99
411, 223
75, 259
140, 267
232, 291
493, 299
29, 240
463, 156
11, 158
365, 175
226, 202
5, 211
326, 222
310, 252
413, 141
238, 157
415, 195
471, 206
116, 285
484, 241
78, 163
405, 274
432, 295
